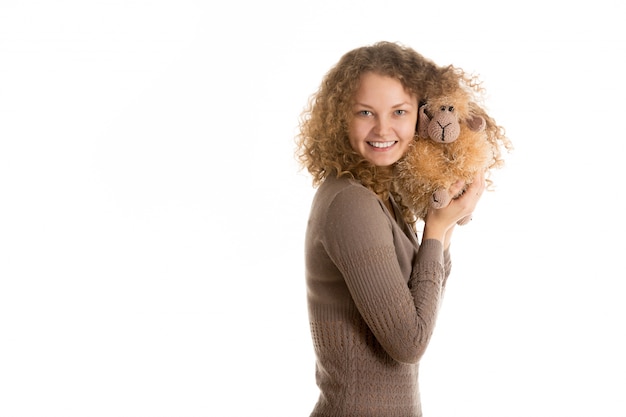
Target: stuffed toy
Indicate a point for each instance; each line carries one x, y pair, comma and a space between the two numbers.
451, 144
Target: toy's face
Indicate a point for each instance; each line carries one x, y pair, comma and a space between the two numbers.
383, 120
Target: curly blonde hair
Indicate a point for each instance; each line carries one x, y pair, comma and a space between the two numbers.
323, 145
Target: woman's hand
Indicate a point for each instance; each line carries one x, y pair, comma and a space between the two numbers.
439, 223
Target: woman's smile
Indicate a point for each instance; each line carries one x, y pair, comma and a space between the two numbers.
383, 146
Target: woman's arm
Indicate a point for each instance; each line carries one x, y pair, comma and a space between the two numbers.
398, 304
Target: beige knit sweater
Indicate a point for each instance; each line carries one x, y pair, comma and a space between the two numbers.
373, 293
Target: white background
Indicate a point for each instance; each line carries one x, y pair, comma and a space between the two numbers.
152, 214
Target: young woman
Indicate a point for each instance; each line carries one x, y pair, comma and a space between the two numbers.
373, 290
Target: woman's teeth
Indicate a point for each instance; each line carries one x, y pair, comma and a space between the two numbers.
381, 144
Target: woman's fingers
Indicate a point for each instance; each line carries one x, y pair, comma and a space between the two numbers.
456, 188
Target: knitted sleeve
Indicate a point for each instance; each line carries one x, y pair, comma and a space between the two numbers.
400, 310
447, 265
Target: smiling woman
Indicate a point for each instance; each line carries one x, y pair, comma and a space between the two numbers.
373, 289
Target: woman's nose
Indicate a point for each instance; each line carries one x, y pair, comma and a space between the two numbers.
383, 126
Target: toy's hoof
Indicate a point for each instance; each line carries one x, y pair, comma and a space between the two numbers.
465, 220
439, 199
437, 204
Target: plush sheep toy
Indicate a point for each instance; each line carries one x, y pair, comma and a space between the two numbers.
451, 144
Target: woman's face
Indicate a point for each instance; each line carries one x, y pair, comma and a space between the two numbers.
383, 120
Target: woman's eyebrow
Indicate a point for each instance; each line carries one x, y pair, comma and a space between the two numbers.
403, 104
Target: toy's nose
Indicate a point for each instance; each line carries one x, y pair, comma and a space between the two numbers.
444, 128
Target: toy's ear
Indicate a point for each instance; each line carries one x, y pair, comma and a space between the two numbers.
422, 123
477, 123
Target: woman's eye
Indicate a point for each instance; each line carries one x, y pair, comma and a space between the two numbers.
365, 113
400, 112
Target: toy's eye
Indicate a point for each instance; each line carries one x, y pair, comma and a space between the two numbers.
442, 108
451, 109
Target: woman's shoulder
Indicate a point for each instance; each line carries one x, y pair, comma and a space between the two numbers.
343, 196
344, 188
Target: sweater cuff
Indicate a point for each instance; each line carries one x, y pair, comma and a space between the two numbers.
431, 250
447, 259
430, 262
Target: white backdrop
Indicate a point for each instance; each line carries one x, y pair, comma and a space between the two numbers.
152, 214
